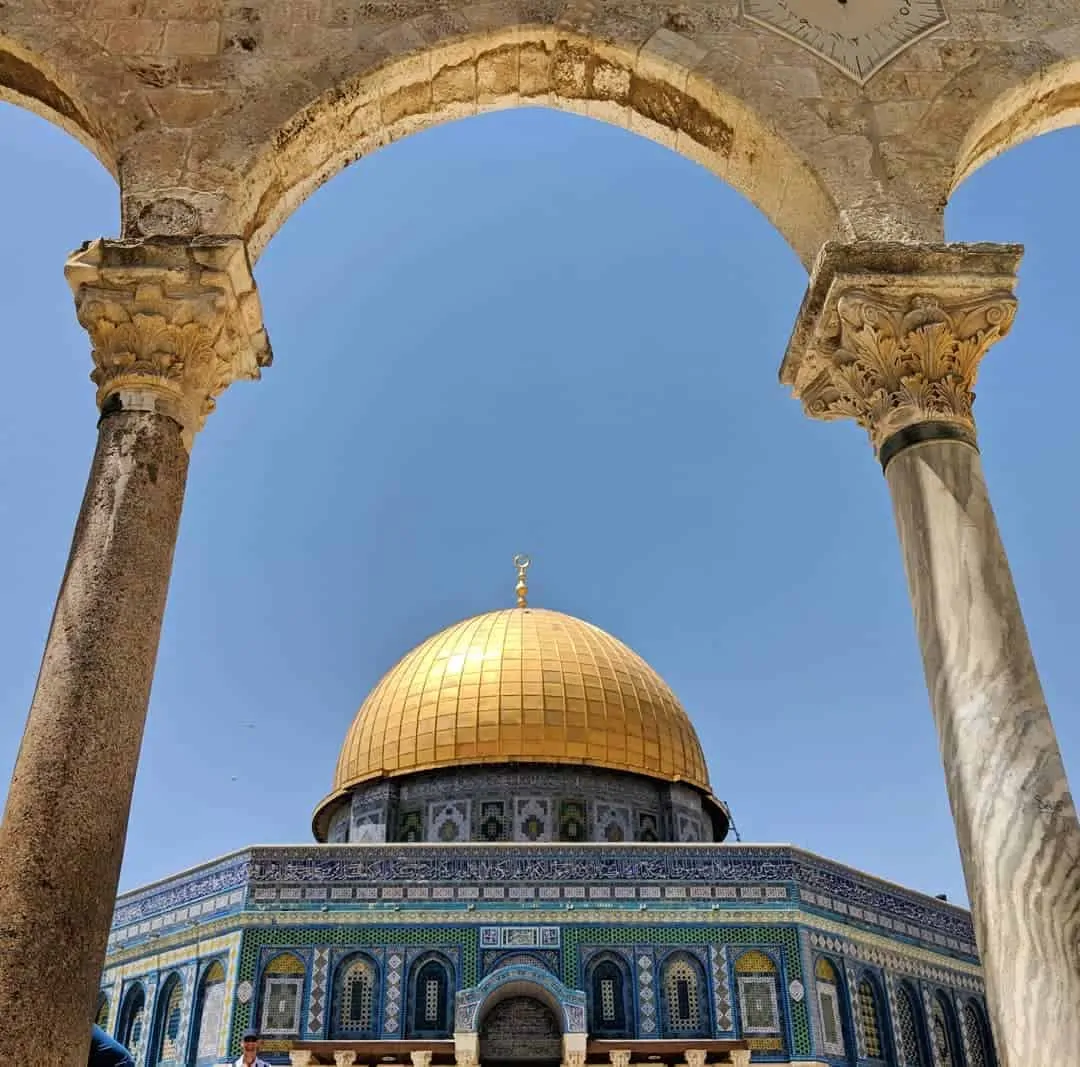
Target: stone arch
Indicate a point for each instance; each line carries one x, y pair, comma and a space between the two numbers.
29, 81
473, 1004
648, 90
1047, 100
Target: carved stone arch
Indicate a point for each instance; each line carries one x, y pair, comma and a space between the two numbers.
32, 82
1046, 99
649, 90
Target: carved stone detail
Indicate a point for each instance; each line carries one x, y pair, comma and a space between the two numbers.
302, 1058
890, 361
344, 1057
173, 322
421, 1057
891, 335
695, 1057
619, 1057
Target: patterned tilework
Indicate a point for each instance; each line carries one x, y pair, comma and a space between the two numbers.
546, 959
317, 1006
852, 982
894, 959
296, 938
393, 992
188, 976
150, 984
721, 980
727, 874
893, 1025
648, 1009
688, 938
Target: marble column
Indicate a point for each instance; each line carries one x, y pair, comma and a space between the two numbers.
892, 336
171, 322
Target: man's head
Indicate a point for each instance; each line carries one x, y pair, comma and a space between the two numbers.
250, 1041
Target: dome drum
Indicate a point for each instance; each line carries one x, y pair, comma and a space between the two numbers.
526, 803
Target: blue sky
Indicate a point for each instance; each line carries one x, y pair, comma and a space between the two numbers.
532, 332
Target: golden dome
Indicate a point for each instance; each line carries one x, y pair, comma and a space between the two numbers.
523, 685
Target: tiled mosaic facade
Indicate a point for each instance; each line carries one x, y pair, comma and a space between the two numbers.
749, 922
538, 804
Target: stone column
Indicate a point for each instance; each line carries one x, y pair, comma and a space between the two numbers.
892, 336
172, 323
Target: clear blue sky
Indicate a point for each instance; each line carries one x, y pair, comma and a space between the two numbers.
533, 332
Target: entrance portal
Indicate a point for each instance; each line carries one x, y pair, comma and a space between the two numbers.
520, 1029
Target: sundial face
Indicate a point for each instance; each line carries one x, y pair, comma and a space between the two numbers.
857, 36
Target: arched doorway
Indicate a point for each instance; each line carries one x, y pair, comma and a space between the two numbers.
520, 1029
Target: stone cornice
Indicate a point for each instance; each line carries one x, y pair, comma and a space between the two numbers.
173, 322
892, 335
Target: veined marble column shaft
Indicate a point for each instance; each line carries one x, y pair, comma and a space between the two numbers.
172, 323
892, 336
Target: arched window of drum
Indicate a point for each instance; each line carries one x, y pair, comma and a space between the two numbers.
356, 1005
869, 1020
430, 1015
210, 1012
607, 999
907, 1028
974, 1036
828, 999
133, 1020
101, 1016
941, 1034
170, 1005
758, 1003
282, 993
682, 993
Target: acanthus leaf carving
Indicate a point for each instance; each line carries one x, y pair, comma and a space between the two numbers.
890, 360
172, 323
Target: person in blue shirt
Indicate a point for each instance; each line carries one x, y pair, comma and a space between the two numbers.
106, 1051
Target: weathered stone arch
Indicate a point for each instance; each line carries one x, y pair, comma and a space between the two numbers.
1047, 100
649, 90
30, 81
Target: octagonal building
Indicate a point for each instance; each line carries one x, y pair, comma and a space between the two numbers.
521, 861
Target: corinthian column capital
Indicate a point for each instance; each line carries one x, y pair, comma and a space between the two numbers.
173, 322
892, 336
